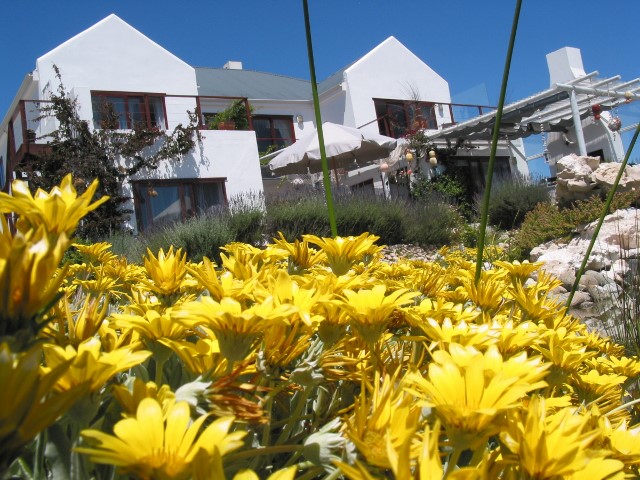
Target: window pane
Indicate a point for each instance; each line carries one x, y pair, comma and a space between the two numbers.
397, 119
165, 204
108, 112
136, 112
119, 108
156, 112
209, 197
282, 130
262, 127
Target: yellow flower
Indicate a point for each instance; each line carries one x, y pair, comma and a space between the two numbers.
370, 310
29, 280
557, 445
200, 357
283, 474
519, 272
487, 294
286, 291
167, 272
387, 414
343, 252
623, 441
469, 390
28, 403
152, 325
220, 284
89, 364
235, 328
58, 211
154, 446
130, 395
99, 252
301, 256
77, 325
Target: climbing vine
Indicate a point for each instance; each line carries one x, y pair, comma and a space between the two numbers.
75, 147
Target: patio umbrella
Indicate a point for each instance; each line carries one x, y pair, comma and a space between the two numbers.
344, 146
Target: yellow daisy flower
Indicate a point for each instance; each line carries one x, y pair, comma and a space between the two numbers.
152, 445
58, 211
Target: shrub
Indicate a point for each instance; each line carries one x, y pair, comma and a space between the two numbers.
427, 223
449, 185
549, 222
246, 218
296, 216
511, 199
199, 236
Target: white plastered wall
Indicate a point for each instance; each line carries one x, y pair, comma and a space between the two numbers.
113, 56
389, 71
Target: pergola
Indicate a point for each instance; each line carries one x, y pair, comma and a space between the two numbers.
557, 109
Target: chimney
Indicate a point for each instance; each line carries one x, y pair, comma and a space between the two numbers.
564, 65
233, 65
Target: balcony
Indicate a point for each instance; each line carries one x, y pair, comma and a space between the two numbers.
397, 118
30, 127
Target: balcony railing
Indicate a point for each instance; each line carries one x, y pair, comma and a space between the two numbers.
30, 126
402, 122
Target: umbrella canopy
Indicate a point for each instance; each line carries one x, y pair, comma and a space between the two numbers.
343, 146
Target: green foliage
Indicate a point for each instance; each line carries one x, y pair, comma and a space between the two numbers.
511, 199
394, 221
549, 222
198, 237
447, 184
246, 218
296, 216
236, 113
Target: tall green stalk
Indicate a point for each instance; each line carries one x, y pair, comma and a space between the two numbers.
316, 106
605, 211
494, 143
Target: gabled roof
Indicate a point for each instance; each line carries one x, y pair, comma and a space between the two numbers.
250, 84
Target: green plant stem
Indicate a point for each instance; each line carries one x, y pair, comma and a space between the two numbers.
453, 461
270, 450
38, 463
24, 467
494, 143
295, 417
312, 473
604, 213
316, 107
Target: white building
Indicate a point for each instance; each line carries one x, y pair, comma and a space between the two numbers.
389, 90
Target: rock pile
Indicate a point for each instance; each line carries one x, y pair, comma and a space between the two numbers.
613, 258
580, 177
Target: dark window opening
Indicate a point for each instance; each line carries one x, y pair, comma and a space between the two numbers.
273, 132
125, 111
396, 118
162, 202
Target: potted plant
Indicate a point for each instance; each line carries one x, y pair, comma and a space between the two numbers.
233, 118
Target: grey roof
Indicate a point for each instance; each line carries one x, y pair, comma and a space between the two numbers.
333, 80
250, 84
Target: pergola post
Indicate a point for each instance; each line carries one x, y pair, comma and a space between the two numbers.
577, 123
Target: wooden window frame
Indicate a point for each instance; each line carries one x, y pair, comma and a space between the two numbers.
183, 184
145, 101
384, 126
292, 131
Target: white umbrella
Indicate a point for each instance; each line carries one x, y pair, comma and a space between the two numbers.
343, 146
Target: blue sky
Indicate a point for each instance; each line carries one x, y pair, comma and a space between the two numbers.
464, 41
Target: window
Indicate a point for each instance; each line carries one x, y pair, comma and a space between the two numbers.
160, 202
124, 111
273, 131
398, 117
